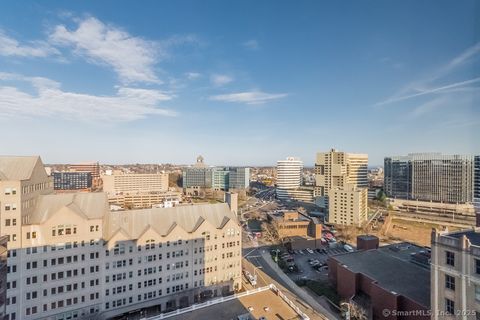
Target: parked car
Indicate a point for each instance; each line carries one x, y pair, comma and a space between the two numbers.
348, 248
309, 250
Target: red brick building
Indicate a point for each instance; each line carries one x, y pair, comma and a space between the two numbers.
389, 282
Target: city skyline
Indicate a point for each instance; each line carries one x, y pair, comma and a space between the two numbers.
225, 81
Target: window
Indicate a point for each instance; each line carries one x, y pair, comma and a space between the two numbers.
450, 258
477, 292
449, 282
477, 266
449, 306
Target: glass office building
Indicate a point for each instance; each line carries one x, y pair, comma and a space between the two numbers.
239, 178
430, 177
72, 180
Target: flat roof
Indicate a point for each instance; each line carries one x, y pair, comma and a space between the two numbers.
278, 309
392, 267
472, 235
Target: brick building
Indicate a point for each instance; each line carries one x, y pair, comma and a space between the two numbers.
386, 282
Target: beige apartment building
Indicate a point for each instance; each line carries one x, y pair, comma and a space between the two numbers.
455, 274
340, 176
145, 200
71, 258
348, 206
131, 183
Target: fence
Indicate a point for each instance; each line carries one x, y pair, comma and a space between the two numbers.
209, 303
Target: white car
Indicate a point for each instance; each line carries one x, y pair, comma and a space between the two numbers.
348, 248
309, 250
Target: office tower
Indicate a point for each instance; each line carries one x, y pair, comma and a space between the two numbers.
430, 177
289, 177
70, 257
289, 173
476, 190
72, 180
348, 205
431, 183
135, 183
198, 175
220, 178
455, 270
239, 178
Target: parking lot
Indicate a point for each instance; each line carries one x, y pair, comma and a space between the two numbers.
303, 258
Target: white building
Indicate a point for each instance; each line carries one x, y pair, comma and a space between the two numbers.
69, 257
289, 176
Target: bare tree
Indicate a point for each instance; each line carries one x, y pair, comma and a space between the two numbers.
270, 232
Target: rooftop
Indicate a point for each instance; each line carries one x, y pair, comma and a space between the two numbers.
134, 222
472, 235
18, 167
278, 309
393, 268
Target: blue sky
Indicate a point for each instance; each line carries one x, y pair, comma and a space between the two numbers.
240, 82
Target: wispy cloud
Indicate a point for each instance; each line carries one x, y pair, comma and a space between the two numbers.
220, 79
249, 97
49, 100
429, 85
37, 49
133, 58
251, 44
192, 75
445, 88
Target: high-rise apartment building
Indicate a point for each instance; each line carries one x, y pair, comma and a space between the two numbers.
455, 274
430, 177
239, 178
132, 183
341, 182
348, 205
72, 180
336, 169
70, 257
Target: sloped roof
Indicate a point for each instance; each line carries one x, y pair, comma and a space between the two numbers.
86, 205
17, 167
163, 220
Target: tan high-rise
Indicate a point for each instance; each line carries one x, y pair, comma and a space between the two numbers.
335, 171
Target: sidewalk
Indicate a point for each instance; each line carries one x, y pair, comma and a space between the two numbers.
300, 292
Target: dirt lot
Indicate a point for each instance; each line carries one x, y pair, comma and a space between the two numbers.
395, 230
